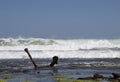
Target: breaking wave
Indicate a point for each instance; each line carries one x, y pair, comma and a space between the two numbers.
22, 41
64, 48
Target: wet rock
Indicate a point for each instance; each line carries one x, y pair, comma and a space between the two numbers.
96, 75
25, 71
116, 75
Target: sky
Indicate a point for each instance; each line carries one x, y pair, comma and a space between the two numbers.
60, 18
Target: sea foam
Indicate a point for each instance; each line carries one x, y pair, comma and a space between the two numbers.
64, 48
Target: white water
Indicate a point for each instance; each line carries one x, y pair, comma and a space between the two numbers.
46, 48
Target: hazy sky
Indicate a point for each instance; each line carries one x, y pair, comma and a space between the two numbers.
60, 18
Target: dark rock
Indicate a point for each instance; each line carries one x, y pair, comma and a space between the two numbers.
25, 71
116, 75
96, 75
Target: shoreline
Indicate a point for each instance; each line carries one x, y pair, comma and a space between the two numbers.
67, 70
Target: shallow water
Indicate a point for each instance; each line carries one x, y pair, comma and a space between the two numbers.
21, 70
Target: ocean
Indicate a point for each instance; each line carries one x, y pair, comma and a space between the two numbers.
77, 58
64, 48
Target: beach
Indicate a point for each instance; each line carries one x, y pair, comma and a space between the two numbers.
60, 41
79, 70
80, 60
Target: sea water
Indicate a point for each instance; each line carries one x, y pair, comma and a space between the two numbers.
77, 58
64, 48
83, 52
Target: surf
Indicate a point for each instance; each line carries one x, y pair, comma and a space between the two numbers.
63, 48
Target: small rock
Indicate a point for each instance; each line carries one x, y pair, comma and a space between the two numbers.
116, 75
96, 75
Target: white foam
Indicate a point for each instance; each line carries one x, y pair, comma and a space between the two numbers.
61, 48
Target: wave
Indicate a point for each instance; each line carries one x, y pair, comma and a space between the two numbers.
101, 49
61, 44
22, 41
64, 48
